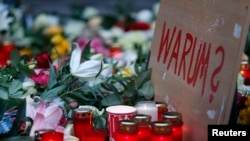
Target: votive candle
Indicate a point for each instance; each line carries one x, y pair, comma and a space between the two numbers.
162, 108
52, 136
127, 131
41, 131
143, 122
94, 135
245, 69
176, 119
161, 131
82, 121
147, 108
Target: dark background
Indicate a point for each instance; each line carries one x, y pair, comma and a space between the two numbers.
64, 7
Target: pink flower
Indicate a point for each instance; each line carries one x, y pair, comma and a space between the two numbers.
41, 77
44, 117
96, 44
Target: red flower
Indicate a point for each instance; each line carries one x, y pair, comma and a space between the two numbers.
115, 52
5, 51
43, 59
138, 26
133, 26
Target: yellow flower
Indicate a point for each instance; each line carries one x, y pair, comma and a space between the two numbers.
127, 72
58, 51
247, 102
66, 44
57, 39
25, 52
53, 30
244, 116
61, 49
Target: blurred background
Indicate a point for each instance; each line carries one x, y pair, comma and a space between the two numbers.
66, 6
105, 6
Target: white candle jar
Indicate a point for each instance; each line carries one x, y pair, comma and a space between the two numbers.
147, 108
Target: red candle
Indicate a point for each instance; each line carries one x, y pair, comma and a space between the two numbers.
162, 108
52, 136
82, 121
245, 69
161, 131
41, 131
127, 131
94, 135
143, 122
176, 119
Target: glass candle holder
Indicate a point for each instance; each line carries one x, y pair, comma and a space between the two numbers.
176, 119
52, 136
143, 123
162, 108
94, 135
127, 131
147, 108
82, 121
245, 69
41, 131
161, 131
116, 113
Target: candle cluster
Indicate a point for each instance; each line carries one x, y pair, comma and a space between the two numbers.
151, 122
141, 128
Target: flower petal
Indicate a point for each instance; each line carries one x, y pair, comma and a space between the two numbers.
107, 70
53, 114
88, 69
75, 58
30, 111
39, 122
41, 107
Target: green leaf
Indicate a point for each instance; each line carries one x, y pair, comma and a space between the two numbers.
87, 51
147, 90
77, 95
3, 94
16, 94
112, 99
81, 99
143, 77
14, 57
25, 70
100, 122
99, 70
112, 88
52, 76
130, 89
15, 86
53, 92
12, 103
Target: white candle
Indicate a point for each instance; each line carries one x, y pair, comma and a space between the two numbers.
147, 108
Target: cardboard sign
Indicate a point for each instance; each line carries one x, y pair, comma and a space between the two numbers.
195, 56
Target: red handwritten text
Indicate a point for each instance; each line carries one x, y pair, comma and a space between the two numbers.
189, 57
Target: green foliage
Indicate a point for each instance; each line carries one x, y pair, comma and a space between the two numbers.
86, 51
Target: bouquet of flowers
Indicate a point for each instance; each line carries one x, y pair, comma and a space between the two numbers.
46, 71
53, 89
